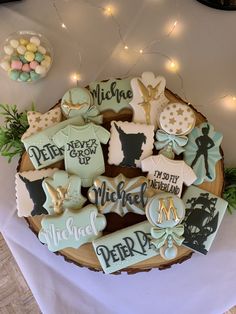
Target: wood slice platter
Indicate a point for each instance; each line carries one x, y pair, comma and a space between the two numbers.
85, 255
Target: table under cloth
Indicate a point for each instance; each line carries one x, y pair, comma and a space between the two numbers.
203, 284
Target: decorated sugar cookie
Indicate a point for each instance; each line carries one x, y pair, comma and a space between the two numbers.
82, 150
130, 143
125, 247
40, 147
204, 214
71, 229
167, 175
165, 212
148, 98
177, 118
62, 191
39, 121
113, 94
120, 194
79, 101
203, 151
30, 194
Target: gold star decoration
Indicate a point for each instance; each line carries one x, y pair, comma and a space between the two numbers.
39, 121
172, 121
180, 112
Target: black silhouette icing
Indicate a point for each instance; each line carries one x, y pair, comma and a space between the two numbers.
131, 145
204, 143
200, 222
37, 195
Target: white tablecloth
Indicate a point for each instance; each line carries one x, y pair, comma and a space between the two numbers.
204, 45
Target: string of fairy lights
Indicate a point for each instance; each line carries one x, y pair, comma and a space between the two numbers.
109, 11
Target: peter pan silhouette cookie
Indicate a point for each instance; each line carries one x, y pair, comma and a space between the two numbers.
82, 150
40, 121
41, 148
130, 143
79, 101
113, 94
30, 196
204, 214
167, 175
203, 151
120, 194
148, 98
125, 247
62, 191
165, 212
71, 229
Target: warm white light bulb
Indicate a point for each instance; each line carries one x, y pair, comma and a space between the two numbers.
175, 23
63, 25
172, 66
234, 98
108, 10
141, 51
75, 77
126, 47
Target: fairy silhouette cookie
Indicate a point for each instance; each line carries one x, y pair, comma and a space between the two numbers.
130, 143
148, 98
203, 151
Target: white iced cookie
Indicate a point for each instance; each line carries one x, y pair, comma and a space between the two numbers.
148, 98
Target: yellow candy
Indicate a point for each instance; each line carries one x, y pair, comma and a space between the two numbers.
29, 56
48, 59
31, 47
23, 41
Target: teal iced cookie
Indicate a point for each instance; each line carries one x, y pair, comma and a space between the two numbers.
34, 76
62, 191
38, 57
24, 76
72, 228
203, 151
165, 210
14, 74
22, 59
76, 101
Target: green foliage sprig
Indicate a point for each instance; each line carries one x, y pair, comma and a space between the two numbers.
10, 134
230, 188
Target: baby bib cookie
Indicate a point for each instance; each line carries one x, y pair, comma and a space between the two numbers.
130, 143
204, 214
167, 175
120, 194
41, 148
177, 118
203, 151
71, 228
30, 196
148, 98
125, 247
113, 94
62, 191
40, 121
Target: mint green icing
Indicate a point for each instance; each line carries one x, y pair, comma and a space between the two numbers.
71, 229
40, 147
113, 94
125, 247
71, 184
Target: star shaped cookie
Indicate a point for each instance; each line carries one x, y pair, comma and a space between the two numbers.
39, 121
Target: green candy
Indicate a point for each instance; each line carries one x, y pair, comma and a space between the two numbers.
38, 57
34, 76
23, 60
14, 74
24, 76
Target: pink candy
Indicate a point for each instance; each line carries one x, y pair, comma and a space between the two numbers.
26, 68
16, 65
33, 65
